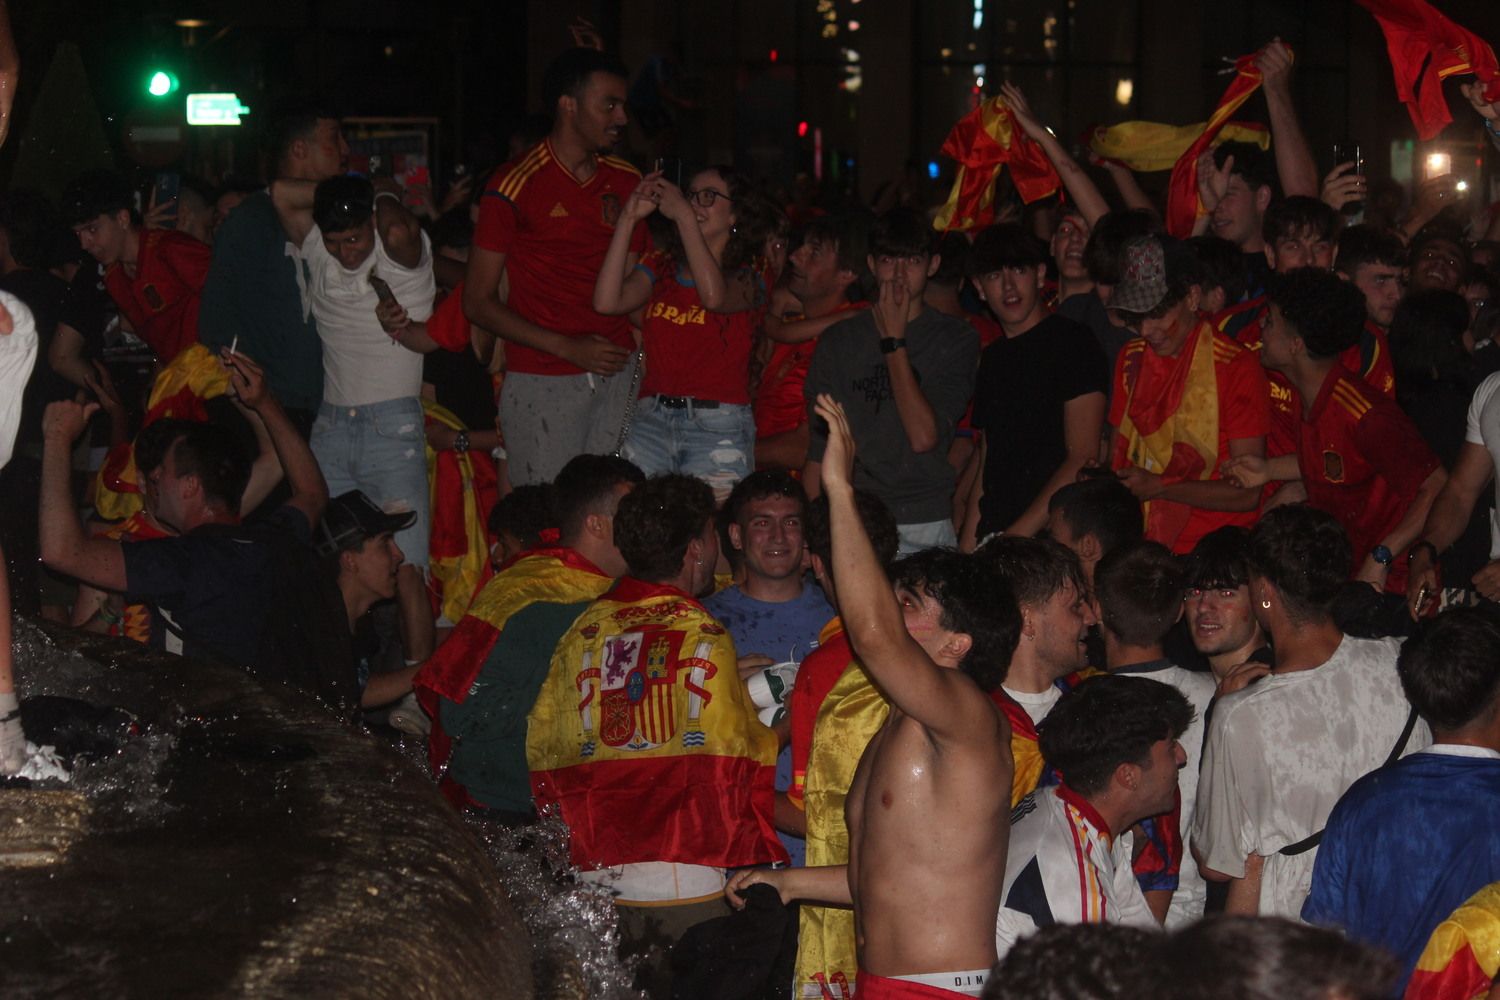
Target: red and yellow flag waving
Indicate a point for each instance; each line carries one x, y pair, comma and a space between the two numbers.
644, 739
1182, 191
983, 142
1426, 48
1149, 146
462, 491
1462, 957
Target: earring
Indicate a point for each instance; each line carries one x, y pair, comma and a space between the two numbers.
1265, 603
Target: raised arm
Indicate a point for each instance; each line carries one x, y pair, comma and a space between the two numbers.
1294, 160
399, 229
64, 546
293, 201
1081, 187
944, 701
621, 287
303, 477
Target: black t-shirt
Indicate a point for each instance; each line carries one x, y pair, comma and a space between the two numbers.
1023, 384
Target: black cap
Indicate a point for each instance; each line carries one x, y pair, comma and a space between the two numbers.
354, 517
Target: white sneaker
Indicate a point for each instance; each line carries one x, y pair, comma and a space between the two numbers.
409, 718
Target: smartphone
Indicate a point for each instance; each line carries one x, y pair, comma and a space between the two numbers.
168, 186
670, 168
382, 290
1345, 152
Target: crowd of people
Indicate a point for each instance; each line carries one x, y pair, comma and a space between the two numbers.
1057, 607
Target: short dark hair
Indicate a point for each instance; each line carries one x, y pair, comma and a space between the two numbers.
1077, 962
294, 118
1450, 670
1251, 163
1292, 215
1104, 253
1223, 266
953, 251
975, 602
901, 232
1271, 958
569, 73
1217, 562
1034, 568
343, 203
849, 234
1107, 721
1305, 553
1327, 311
656, 522
586, 485
1101, 506
759, 485
215, 457
1439, 231
1360, 245
94, 193
1139, 588
1005, 246
874, 516
153, 441
1427, 338
524, 512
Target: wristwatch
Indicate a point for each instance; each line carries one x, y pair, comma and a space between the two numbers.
461, 441
889, 345
1381, 555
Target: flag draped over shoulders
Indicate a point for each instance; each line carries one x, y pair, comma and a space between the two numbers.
983, 142
644, 740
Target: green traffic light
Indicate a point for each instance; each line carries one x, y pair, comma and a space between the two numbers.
161, 83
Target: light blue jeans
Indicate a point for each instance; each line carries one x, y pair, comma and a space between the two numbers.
929, 535
714, 445
379, 450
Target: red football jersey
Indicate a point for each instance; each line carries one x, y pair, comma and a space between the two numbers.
689, 350
161, 301
554, 231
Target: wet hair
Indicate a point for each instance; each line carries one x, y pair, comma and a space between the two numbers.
214, 456
153, 441
1103, 507
975, 602
1450, 670
1361, 245
759, 485
901, 232
1427, 337
657, 521
1222, 264
1005, 246
1104, 253
524, 512
1034, 568
1217, 562
1304, 552
343, 203
292, 119
953, 252
874, 516
94, 193
1106, 721
1139, 588
1077, 962
1290, 216
1327, 311
849, 234
569, 73
586, 485
1270, 958
1251, 163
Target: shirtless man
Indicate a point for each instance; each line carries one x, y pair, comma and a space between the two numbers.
925, 894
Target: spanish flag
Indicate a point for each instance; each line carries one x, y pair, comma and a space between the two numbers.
463, 489
1031, 772
180, 390
1426, 48
983, 142
1150, 146
560, 576
645, 742
1462, 957
1182, 190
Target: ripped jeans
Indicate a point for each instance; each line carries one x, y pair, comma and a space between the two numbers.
380, 450
713, 444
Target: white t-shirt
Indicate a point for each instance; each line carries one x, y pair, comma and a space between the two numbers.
1484, 430
1282, 751
362, 365
1036, 705
17, 356
1192, 893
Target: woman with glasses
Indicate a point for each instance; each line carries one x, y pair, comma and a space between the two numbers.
701, 296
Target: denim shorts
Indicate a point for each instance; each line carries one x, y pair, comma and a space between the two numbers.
713, 444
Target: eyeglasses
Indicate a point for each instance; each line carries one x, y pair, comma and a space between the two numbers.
705, 197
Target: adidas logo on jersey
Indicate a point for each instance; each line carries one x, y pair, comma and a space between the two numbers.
558, 212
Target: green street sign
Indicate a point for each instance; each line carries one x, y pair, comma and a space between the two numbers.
215, 109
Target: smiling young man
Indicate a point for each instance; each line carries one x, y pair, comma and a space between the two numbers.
904, 374
1186, 400
1220, 620
545, 223
1039, 394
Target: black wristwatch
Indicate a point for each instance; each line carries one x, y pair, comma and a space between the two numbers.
1381, 555
890, 345
461, 442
